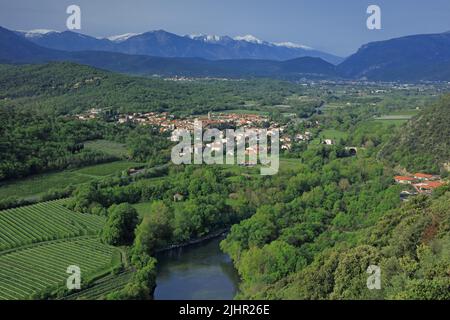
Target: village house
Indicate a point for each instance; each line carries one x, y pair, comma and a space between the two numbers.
404, 179
423, 176
428, 187
422, 182
303, 136
177, 197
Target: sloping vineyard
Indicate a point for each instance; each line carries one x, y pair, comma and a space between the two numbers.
102, 287
34, 269
44, 222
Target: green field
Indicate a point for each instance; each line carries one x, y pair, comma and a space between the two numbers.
109, 147
333, 134
394, 117
44, 222
107, 169
397, 122
100, 288
246, 111
38, 243
143, 208
39, 184
407, 112
35, 269
289, 164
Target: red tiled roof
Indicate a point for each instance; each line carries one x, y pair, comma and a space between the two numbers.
435, 184
423, 175
430, 185
403, 178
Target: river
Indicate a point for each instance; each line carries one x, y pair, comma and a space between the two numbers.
200, 271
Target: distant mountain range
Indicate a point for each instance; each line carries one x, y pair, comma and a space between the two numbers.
161, 43
15, 48
411, 58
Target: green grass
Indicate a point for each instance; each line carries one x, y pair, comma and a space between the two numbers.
33, 270
398, 117
44, 221
246, 111
289, 164
102, 287
38, 243
397, 122
39, 184
107, 169
337, 105
109, 147
289, 115
394, 117
333, 134
143, 208
408, 112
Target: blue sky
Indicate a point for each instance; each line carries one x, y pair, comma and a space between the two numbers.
336, 26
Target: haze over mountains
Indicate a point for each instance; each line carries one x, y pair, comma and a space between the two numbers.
416, 57
410, 58
165, 44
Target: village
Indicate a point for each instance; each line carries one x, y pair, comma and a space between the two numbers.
415, 184
419, 183
167, 122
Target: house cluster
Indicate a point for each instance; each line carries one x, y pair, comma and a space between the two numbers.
421, 182
241, 121
245, 121
163, 120
286, 141
168, 123
89, 115
305, 137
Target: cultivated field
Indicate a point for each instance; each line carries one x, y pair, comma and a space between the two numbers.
39, 184
99, 289
333, 134
109, 147
34, 269
44, 222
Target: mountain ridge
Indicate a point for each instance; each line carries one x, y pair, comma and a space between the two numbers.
30, 52
413, 57
428, 149
166, 44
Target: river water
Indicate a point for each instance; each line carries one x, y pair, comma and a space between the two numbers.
200, 271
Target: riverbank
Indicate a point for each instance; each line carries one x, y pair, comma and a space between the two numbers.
210, 236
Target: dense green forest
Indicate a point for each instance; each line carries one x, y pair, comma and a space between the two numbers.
33, 142
424, 143
321, 232
66, 88
308, 233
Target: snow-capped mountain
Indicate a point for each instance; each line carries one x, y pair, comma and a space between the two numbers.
37, 33
291, 45
165, 44
249, 38
208, 38
66, 40
122, 37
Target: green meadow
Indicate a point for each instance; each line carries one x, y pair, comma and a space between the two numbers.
39, 184
109, 147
